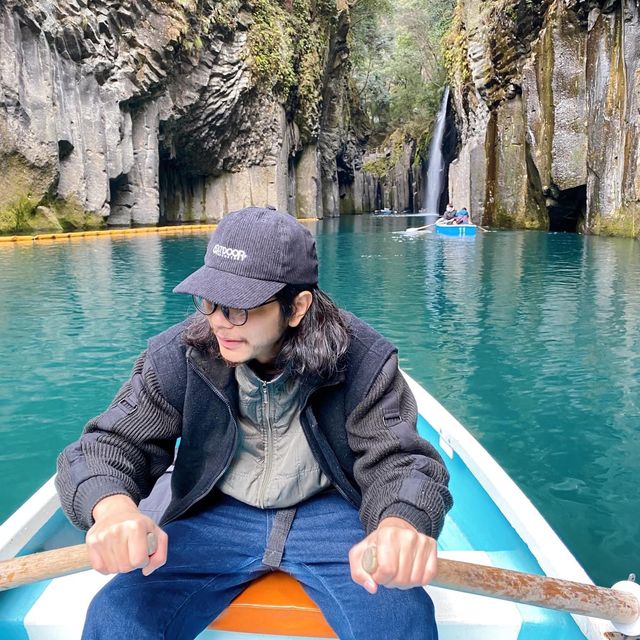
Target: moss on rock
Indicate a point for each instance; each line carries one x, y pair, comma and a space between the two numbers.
26, 215
21, 179
382, 165
271, 47
287, 45
44, 218
455, 48
15, 217
73, 217
624, 222
378, 167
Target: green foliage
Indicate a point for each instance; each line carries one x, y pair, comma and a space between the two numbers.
271, 47
287, 44
21, 216
223, 14
311, 25
378, 167
381, 165
398, 69
455, 47
23, 209
15, 217
371, 47
196, 20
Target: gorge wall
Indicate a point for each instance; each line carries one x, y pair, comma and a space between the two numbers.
394, 177
141, 112
547, 103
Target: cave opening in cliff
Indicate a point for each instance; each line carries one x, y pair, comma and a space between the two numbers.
182, 197
65, 148
379, 198
169, 202
120, 200
567, 209
410, 192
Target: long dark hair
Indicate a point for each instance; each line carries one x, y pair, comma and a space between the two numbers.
315, 346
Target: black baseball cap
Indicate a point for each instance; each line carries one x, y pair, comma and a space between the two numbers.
253, 254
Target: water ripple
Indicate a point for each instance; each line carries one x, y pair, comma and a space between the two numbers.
530, 339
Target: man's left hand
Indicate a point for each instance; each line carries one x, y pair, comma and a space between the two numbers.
405, 557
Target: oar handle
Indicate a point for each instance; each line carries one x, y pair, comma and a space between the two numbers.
550, 593
43, 566
47, 565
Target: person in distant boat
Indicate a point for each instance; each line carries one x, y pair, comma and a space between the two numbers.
449, 212
462, 216
297, 450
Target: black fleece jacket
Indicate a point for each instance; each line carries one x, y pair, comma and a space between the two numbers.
360, 425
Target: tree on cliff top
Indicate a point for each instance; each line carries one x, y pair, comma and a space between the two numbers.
397, 66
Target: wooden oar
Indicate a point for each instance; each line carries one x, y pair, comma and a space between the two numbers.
47, 565
414, 229
622, 608
618, 606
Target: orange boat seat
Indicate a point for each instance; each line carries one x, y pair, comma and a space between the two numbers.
274, 604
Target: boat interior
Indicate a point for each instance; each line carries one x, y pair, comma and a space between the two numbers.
276, 606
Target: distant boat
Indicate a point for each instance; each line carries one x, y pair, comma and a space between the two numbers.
492, 523
385, 212
456, 230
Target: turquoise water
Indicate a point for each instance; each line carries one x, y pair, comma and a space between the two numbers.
530, 339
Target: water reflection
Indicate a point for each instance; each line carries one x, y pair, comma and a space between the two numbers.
72, 317
530, 339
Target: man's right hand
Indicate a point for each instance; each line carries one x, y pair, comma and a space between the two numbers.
117, 542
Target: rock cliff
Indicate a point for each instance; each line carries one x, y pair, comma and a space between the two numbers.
547, 100
393, 177
141, 112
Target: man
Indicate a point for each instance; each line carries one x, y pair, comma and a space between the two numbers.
297, 451
449, 212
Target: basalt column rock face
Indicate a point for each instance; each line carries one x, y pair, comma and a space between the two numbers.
138, 112
395, 185
546, 99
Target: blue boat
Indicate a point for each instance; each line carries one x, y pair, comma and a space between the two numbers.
492, 523
455, 230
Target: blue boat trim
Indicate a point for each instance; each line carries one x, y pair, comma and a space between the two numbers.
491, 519
456, 230
16, 603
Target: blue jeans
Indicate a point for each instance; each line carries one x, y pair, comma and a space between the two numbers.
218, 549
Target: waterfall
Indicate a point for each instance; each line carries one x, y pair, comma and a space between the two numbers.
433, 186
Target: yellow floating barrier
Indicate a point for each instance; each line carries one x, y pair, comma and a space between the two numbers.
123, 231
92, 233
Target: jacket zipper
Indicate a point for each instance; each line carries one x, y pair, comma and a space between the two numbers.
235, 443
231, 452
329, 475
268, 454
